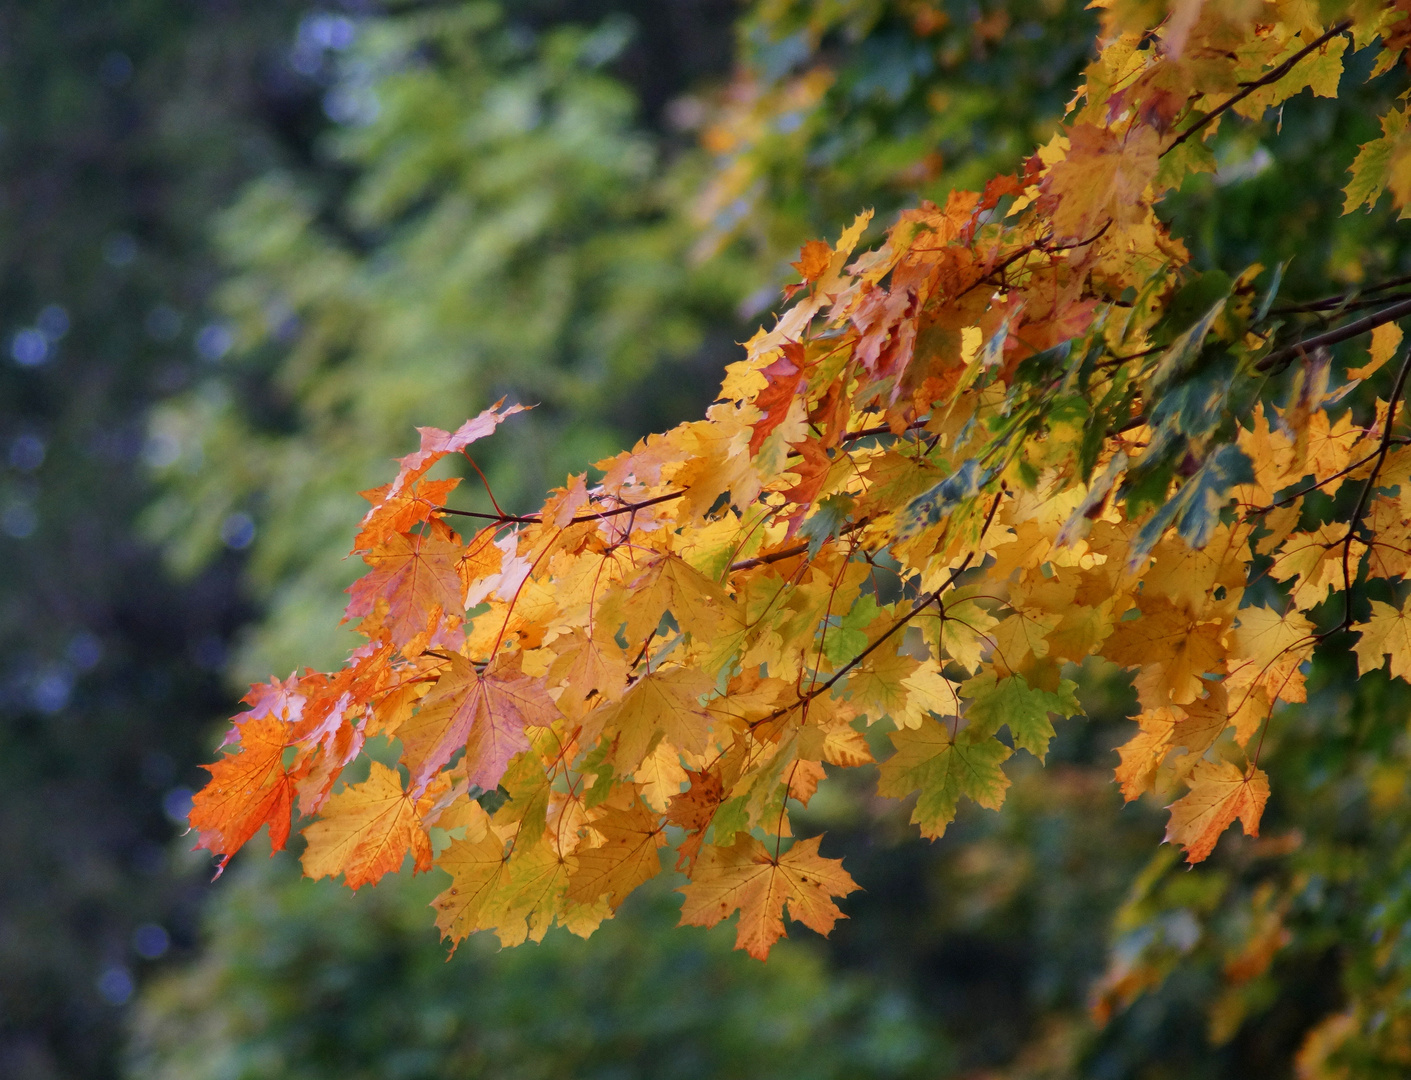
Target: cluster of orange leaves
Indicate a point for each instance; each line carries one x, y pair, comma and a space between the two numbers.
893, 514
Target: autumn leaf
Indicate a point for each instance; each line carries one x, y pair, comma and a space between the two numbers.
1386, 339
1386, 634
248, 789
477, 869
485, 713
777, 398
1220, 793
436, 444
414, 574
366, 830
663, 704
746, 878
693, 810
813, 260
1101, 178
391, 514
626, 857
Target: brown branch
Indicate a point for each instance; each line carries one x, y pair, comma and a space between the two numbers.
536, 519
1272, 76
788, 552
1340, 299
1280, 358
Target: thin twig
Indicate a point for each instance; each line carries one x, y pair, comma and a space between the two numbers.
537, 519
789, 552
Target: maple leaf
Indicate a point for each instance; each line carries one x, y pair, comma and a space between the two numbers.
477, 868
415, 575
1102, 178
814, 260
663, 704
1386, 339
626, 857
693, 810
1274, 646
775, 400
1024, 709
943, 767
436, 444
366, 830
1220, 793
248, 789
746, 878
401, 513
1172, 646
592, 670
486, 713
1386, 634
699, 606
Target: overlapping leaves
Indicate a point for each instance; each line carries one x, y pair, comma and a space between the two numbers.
1018, 434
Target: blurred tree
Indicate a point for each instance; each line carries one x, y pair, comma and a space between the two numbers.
122, 128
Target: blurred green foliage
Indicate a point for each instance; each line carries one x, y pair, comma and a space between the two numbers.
495, 213
316, 982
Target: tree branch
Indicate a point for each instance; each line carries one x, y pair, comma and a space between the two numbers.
1280, 358
1366, 493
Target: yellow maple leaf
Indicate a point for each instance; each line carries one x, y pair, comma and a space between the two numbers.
745, 877
878, 686
626, 857
663, 704
927, 691
1386, 339
477, 869
1386, 633
366, 830
1172, 648
1102, 178
1269, 649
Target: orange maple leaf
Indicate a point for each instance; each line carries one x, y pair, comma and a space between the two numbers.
415, 574
248, 789
399, 513
1220, 792
693, 810
436, 444
776, 398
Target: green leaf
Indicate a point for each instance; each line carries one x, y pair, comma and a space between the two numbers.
849, 637
824, 522
943, 769
1372, 167
1025, 710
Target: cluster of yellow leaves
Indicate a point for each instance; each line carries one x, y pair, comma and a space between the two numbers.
957, 465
